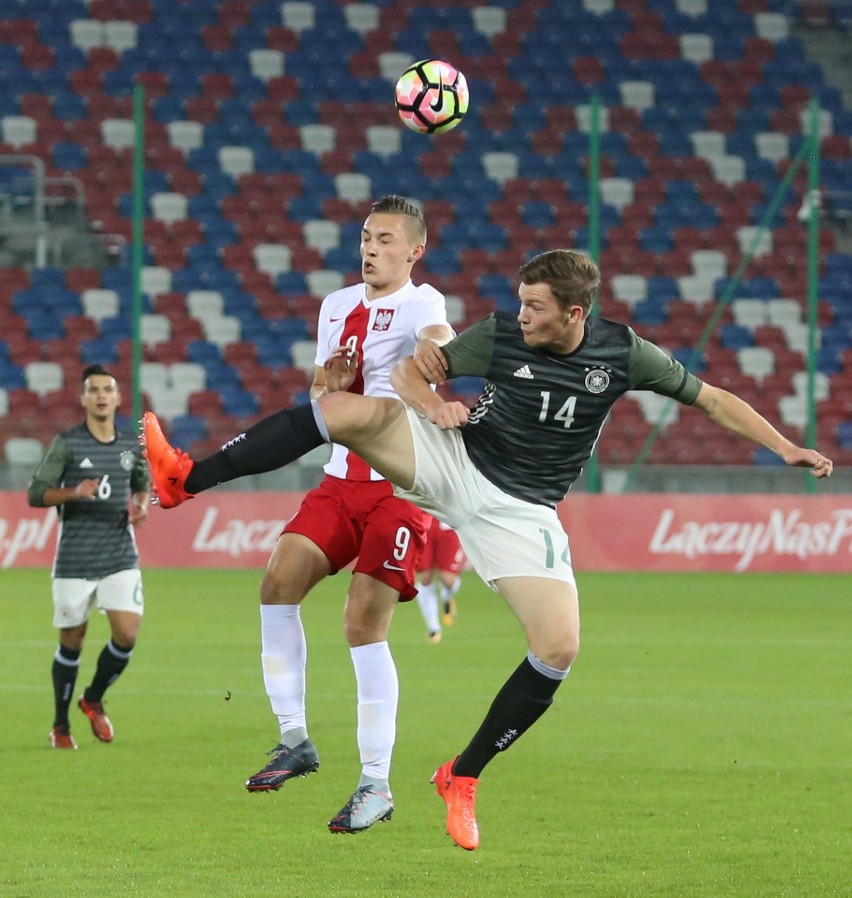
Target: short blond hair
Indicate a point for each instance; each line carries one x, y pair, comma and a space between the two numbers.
394, 204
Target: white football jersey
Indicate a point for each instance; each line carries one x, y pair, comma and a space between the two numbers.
383, 332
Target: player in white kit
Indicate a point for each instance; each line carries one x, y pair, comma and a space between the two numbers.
363, 331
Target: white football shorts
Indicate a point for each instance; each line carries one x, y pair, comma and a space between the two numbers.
501, 535
74, 598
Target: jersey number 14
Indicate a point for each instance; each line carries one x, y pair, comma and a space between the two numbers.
565, 414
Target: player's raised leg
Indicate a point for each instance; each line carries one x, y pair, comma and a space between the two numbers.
376, 428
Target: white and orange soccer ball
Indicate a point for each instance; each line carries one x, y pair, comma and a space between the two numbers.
432, 96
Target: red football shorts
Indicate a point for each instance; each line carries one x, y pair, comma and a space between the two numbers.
443, 550
363, 520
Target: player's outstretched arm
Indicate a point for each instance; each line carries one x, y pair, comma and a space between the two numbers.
736, 415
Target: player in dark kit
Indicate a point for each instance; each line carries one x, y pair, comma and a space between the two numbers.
495, 473
97, 479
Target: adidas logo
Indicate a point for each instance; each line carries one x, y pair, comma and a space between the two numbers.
524, 371
86, 463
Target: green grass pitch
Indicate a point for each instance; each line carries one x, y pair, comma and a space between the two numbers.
701, 748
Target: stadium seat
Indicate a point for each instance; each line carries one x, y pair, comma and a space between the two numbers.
86, 33
185, 135
322, 235
99, 303
353, 187
169, 207
298, 16
222, 330
18, 130
236, 160
205, 303
756, 361
23, 451
266, 64
44, 377
154, 329
272, 258
118, 133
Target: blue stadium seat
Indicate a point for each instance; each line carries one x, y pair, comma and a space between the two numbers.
735, 336
766, 458
100, 350
437, 261
273, 352
117, 327
203, 352
656, 239
650, 313
12, 376
844, 434
291, 329
187, 429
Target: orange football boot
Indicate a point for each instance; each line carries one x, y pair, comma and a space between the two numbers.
169, 466
459, 794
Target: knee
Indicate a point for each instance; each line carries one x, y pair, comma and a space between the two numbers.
365, 623
274, 589
124, 636
559, 653
73, 637
357, 627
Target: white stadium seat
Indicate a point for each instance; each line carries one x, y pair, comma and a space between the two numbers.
18, 130
273, 258
324, 281
118, 133
266, 64
169, 207
155, 329
205, 303
99, 302
155, 279
236, 161
629, 288
299, 16
87, 33
185, 135
24, 451
44, 377
361, 17
121, 35
756, 361
321, 235
489, 20
638, 95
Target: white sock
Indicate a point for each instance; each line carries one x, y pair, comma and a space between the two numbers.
427, 601
283, 658
448, 592
378, 697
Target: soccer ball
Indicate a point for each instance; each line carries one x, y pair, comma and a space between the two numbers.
431, 96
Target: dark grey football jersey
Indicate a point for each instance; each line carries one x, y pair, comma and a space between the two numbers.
536, 423
95, 536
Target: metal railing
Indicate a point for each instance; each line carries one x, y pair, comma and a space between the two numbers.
21, 192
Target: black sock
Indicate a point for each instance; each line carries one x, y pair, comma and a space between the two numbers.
66, 663
525, 696
111, 662
272, 443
